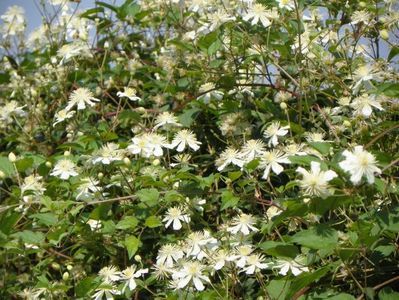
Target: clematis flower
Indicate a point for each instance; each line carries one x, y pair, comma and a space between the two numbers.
359, 163
315, 182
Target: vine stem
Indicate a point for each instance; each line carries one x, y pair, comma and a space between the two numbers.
378, 286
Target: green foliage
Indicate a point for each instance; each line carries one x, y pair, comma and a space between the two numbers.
200, 150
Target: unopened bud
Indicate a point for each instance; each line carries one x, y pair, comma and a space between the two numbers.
11, 157
156, 162
283, 105
65, 276
69, 267
100, 175
49, 164
137, 258
126, 161
67, 153
384, 34
55, 266
2, 175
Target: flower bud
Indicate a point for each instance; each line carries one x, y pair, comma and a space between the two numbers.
11, 157
67, 153
65, 276
384, 34
137, 258
126, 161
100, 175
55, 266
49, 164
156, 162
2, 175
347, 123
69, 267
283, 105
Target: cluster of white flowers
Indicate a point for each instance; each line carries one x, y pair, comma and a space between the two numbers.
14, 21
110, 275
194, 260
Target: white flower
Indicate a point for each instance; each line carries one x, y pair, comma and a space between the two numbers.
216, 19
64, 169
359, 163
183, 139
87, 187
362, 74
192, 271
169, 254
314, 137
315, 182
252, 149
241, 255
9, 110
110, 274
81, 97
294, 149
166, 119
155, 144
227, 157
62, 115
243, 223
254, 263
295, 267
176, 215
140, 146
286, 4
33, 183
68, 51
273, 131
258, 13
107, 290
363, 105
208, 90
129, 275
95, 225
13, 14
107, 153
197, 241
128, 93
220, 257
272, 160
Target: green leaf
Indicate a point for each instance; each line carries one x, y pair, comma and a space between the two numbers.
30, 237
387, 293
306, 279
342, 296
229, 200
183, 82
132, 244
6, 166
47, 219
24, 164
85, 286
318, 237
322, 147
153, 221
234, 175
303, 160
278, 289
128, 222
188, 116
394, 52
148, 196
7, 222
279, 249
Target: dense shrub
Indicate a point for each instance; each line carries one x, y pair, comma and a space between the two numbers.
200, 149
